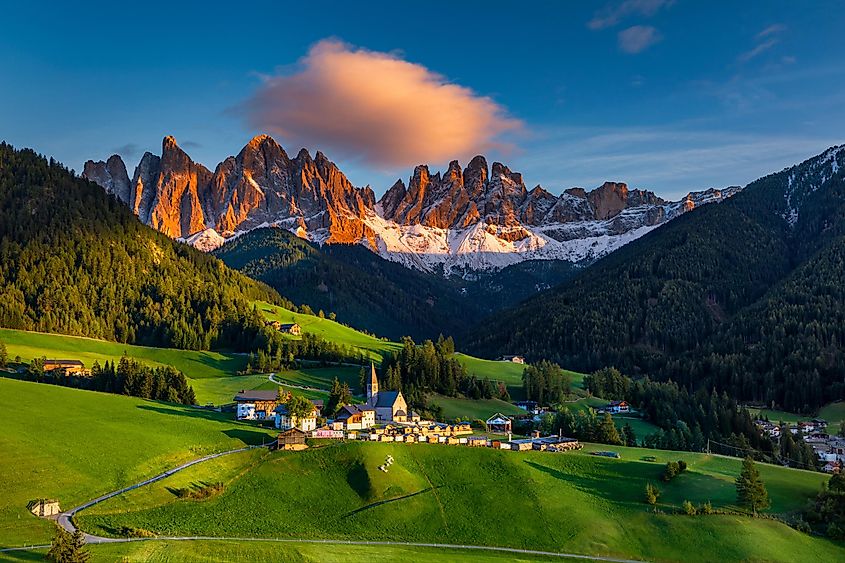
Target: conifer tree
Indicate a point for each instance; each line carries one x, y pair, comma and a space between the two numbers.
750, 490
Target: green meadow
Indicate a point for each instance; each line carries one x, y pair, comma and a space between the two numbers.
330, 330
164, 551
74, 445
194, 364
455, 407
573, 502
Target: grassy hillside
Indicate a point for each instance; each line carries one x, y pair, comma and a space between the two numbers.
329, 330
194, 364
211, 374
231, 551
482, 409
568, 502
73, 445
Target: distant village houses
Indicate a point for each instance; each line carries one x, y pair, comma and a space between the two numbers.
286, 328
514, 359
285, 421
354, 417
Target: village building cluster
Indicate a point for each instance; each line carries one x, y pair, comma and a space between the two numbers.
830, 449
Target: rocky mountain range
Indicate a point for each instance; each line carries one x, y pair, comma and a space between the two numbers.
458, 222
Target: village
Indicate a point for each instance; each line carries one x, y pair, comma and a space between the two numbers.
384, 417
830, 449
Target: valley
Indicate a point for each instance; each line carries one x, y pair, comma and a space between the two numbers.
534, 283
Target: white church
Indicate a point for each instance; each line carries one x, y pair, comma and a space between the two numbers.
390, 406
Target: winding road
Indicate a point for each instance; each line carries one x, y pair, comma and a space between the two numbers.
65, 520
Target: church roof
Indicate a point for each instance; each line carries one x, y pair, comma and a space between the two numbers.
387, 398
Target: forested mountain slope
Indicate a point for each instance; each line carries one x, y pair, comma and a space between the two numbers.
75, 260
364, 290
746, 295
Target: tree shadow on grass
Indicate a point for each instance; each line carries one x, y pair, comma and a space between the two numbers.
243, 431
249, 437
624, 482
24, 555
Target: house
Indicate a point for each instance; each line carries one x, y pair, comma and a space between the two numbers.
286, 421
291, 328
44, 507
521, 445
477, 441
291, 439
256, 405
355, 417
616, 407
66, 367
327, 432
514, 359
389, 406
498, 423
277, 325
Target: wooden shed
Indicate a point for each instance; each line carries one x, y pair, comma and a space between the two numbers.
293, 439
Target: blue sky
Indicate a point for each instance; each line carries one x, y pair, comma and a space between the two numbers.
669, 96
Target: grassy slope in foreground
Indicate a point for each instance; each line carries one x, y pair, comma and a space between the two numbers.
216, 551
567, 502
74, 445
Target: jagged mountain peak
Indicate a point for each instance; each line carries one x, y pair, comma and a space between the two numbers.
479, 217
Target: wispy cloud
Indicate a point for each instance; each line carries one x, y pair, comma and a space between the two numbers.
129, 150
638, 38
669, 160
614, 14
765, 39
377, 108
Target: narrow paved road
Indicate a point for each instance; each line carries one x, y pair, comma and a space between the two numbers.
65, 520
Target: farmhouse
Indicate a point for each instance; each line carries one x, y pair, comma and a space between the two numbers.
256, 405
291, 439
499, 424
291, 328
66, 367
615, 407
389, 406
514, 359
286, 421
354, 417
274, 324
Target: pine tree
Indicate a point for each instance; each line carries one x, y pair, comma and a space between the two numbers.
630, 436
606, 431
335, 398
67, 547
750, 490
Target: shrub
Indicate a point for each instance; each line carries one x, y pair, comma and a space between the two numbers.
652, 493
674, 468
671, 471
130, 532
689, 508
706, 508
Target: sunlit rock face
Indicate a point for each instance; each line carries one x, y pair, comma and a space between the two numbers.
481, 217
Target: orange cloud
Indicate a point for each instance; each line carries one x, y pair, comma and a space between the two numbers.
377, 107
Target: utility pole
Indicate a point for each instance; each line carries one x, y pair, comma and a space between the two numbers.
708, 446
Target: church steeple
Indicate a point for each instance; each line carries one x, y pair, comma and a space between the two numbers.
372, 386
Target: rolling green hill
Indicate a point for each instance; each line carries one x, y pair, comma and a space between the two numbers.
580, 503
330, 330
74, 445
